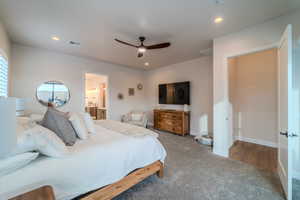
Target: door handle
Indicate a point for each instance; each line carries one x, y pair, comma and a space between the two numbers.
288, 135
284, 133
292, 135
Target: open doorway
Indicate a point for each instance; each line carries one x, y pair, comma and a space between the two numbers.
96, 95
253, 88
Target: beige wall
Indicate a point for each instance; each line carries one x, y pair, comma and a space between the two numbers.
253, 96
199, 73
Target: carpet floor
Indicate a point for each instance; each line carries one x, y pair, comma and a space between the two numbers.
193, 172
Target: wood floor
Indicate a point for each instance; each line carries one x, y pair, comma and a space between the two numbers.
260, 156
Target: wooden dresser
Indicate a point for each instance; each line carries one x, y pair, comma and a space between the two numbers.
174, 121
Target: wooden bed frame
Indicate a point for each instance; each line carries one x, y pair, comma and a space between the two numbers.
110, 191
105, 193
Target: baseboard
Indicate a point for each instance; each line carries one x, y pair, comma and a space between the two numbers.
282, 176
256, 141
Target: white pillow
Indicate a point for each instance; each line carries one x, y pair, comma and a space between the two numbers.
11, 164
42, 140
23, 124
36, 117
136, 116
89, 123
79, 125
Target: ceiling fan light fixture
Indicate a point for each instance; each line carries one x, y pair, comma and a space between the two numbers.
219, 20
141, 49
146, 64
55, 38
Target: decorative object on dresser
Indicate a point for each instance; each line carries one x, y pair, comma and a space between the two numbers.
175, 121
186, 108
44, 193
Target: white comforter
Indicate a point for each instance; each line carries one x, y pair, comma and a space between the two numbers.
126, 129
102, 159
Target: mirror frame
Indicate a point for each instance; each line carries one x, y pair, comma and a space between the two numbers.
47, 103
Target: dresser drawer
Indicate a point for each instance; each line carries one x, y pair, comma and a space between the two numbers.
170, 128
170, 116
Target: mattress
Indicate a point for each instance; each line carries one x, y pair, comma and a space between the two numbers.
102, 159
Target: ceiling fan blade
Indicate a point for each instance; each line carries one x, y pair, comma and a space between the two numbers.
140, 55
126, 43
158, 46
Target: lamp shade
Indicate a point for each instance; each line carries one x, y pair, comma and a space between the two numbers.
20, 106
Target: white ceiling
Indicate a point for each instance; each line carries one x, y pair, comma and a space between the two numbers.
187, 24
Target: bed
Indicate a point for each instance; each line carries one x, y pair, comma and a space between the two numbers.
104, 158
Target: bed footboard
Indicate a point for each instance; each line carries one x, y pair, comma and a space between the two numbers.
111, 191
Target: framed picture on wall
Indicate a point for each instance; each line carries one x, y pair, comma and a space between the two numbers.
131, 91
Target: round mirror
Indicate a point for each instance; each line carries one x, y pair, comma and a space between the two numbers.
53, 93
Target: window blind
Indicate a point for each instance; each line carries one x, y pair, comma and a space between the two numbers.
3, 77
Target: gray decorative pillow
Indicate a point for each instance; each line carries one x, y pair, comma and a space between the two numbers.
59, 123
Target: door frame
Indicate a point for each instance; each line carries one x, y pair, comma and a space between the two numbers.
107, 97
226, 112
291, 118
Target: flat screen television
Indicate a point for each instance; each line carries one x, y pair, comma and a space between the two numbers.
174, 93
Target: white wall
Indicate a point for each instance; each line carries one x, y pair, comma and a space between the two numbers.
33, 66
238, 43
199, 73
5, 48
4, 41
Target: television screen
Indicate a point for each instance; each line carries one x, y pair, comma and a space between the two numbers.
174, 93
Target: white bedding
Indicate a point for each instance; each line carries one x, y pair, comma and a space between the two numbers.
102, 159
126, 129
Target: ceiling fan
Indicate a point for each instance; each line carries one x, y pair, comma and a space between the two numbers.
143, 48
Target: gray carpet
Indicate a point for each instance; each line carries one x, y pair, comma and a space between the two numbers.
192, 171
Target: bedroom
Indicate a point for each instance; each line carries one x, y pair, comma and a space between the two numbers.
62, 41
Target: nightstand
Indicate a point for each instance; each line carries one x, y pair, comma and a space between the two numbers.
42, 193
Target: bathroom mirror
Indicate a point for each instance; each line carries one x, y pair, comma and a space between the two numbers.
53, 93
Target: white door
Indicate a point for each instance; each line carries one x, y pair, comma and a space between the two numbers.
285, 112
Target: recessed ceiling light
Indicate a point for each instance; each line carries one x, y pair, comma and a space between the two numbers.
55, 38
146, 64
218, 20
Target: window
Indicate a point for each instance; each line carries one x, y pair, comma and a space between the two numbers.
3, 77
